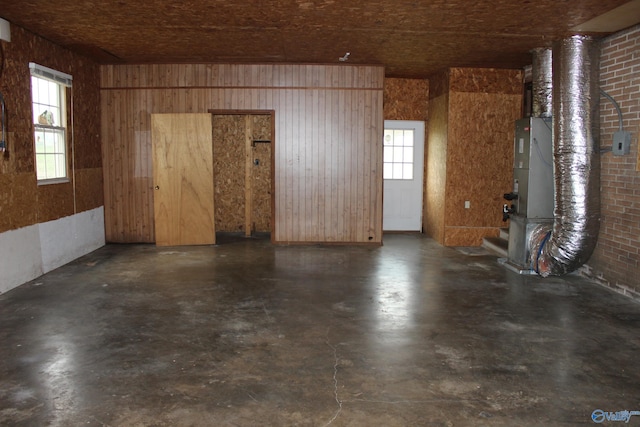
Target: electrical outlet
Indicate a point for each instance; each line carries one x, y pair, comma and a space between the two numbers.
621, 143
467, 204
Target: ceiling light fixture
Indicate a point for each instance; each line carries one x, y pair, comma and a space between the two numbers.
344, 58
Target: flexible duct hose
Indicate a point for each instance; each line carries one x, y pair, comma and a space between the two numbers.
576, 160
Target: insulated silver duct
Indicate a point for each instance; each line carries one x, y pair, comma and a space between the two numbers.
542, 82
576, 160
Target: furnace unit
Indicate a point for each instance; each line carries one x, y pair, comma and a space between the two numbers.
532, 201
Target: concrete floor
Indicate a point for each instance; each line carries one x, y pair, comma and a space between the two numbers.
250, 334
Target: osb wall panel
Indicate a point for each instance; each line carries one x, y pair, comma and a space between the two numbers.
15, 85
53, 201
480, 157
406, 99
261, 174
436, 181
327, 156
86, 126
87, 183
18, 197
486, 80
7, 165
229, 171
470, 152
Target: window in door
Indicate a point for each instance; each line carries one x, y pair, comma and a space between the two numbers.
398, 154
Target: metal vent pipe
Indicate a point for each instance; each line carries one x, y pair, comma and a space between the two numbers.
571, 241
542, 82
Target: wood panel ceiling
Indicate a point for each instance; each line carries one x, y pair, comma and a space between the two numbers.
411, 38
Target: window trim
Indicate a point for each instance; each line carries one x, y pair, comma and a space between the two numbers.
63, 81
51, 74
412, 163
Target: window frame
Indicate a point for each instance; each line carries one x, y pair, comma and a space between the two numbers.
402, 147
59, 130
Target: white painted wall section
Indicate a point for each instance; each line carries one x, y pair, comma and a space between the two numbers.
20, 257
31, 251
68, 238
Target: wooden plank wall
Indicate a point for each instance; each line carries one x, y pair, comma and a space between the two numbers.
327, 155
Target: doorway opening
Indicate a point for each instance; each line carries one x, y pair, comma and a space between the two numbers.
403, 163
243, 169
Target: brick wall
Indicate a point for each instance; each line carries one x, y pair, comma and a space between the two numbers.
616, 260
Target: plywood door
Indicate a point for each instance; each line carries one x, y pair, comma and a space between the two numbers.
183, 179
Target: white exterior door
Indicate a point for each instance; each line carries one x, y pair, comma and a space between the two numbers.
403, 159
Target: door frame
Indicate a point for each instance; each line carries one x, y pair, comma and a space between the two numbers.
420, 128
272, 114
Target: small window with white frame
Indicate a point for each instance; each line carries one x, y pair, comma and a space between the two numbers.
398, 154
48, 94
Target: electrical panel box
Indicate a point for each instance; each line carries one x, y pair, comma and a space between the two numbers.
533, 168
621, 143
